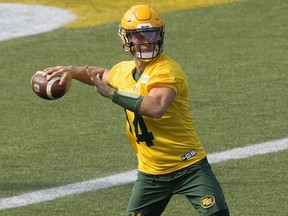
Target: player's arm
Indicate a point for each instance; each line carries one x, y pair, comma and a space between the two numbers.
68, 73
157, 102
82, 75
154, 105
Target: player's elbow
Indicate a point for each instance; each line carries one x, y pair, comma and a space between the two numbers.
155, 113
159, 114
156, 116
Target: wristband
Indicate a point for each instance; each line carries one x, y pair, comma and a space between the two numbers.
127, 100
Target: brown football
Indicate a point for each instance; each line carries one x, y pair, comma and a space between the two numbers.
50, 90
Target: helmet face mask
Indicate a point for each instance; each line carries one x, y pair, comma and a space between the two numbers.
142, 32
145, 55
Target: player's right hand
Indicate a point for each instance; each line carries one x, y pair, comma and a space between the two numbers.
65, 72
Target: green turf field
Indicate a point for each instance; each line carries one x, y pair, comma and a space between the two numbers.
235, 57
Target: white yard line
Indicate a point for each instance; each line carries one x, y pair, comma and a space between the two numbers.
130, 176
18, 20
249, 151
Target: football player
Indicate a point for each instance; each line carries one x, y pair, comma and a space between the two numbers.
153, 90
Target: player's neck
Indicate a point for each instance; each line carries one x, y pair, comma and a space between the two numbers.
140, 65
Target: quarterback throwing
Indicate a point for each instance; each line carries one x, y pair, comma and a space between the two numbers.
153, 90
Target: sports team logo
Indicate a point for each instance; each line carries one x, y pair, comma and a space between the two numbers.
188, 155
207, 201
145, 78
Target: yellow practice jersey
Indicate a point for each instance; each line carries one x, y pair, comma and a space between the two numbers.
161, 145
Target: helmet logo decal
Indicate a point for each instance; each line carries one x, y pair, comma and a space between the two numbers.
144, 25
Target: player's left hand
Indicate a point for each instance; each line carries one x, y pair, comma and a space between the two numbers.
101, 87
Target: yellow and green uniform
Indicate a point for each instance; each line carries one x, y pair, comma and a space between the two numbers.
167, 144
